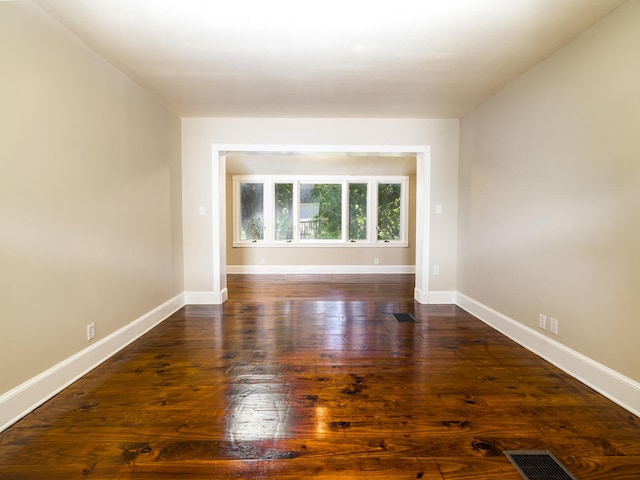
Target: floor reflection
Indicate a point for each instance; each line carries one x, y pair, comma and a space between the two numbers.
258, 410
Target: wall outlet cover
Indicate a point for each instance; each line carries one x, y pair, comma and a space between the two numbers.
542, 321
553, 326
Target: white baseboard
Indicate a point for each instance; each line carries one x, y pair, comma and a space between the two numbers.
613, 385
319, 269
19, 401
206, 297
420, 296
434, 298
443, 297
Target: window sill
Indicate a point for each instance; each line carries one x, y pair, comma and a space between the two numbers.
326, 244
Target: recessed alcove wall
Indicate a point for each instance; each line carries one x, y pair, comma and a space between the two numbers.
271, 258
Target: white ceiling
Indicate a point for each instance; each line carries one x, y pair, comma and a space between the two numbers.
326, 58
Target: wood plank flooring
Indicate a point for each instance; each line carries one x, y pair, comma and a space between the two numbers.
303, 377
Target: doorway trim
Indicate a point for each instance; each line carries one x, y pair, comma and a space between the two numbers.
219, 199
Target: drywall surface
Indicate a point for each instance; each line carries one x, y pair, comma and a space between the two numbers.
199, 134
550, 197
90, 196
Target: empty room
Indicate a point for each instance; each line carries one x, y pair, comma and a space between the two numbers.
333, 240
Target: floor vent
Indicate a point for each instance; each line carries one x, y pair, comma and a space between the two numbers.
403, 317
538, 465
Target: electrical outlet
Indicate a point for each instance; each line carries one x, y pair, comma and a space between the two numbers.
91, 331
553, 326
376, 261
542, 321
436, 270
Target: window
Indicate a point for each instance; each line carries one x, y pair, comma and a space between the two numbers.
252, 214
283, 198
389, 217
320, 211
327, 211
358, 194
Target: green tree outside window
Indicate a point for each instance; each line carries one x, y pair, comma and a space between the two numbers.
389, 200
284, 211
358, 211
326, 224
252, 211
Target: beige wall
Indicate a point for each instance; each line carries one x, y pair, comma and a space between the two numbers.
321, 165
199, 134
550, 195
90, 196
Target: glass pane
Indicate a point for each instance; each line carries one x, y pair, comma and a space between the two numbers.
251, 211
320, 211
358, 211
389, 211
284, 209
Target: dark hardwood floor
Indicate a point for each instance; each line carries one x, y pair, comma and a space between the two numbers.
311, 377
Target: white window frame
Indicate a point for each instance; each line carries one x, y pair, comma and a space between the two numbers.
372, 182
